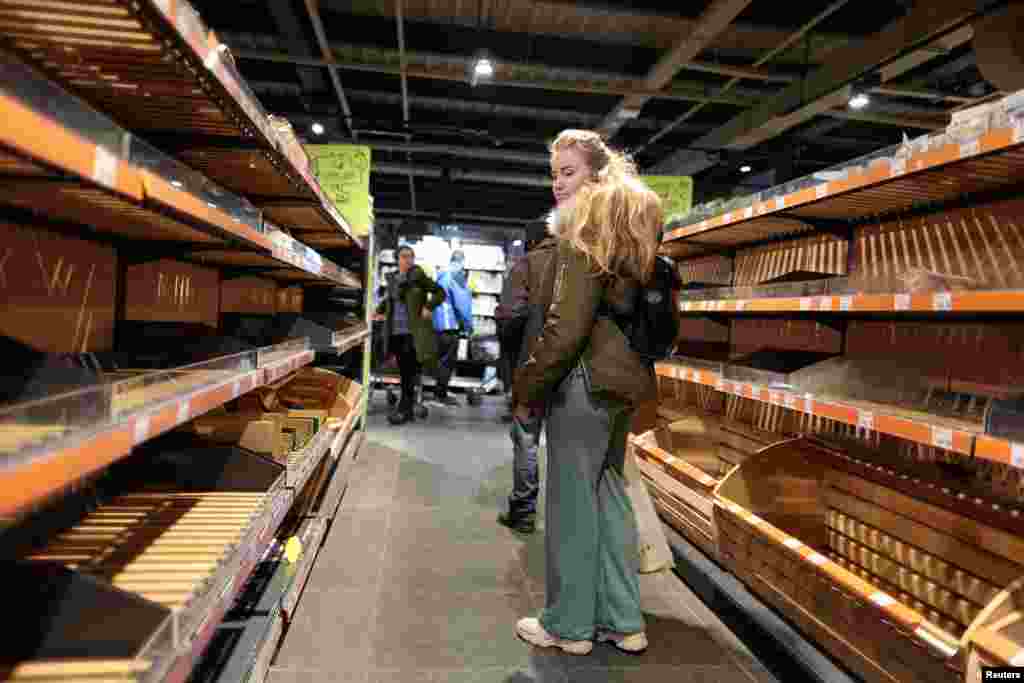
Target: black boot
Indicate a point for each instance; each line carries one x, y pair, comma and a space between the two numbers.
523, 522
400, 416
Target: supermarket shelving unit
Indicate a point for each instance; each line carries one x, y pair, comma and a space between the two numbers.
880, 313
146, 192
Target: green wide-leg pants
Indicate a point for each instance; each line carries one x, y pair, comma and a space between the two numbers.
591, 535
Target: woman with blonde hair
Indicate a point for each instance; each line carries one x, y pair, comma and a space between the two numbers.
583, 374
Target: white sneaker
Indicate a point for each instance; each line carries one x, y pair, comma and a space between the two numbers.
633, 643
530, 630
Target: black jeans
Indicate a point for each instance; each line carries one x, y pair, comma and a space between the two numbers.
404, 349
448, 346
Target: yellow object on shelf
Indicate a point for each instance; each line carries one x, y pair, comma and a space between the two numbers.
293, 549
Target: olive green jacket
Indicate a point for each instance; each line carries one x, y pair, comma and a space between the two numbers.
420, 291
576, 331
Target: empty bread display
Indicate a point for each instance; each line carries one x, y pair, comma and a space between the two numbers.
682, 463
884, 577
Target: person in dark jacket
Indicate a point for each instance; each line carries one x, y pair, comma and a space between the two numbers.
452, 319
582, 377
524, 318
406, 309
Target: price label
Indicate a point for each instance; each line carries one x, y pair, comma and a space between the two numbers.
184, 411
748, 212
792, 543
141, 429
902, 302
825, 304
821, 191
865, 420
780, 203
942, 301
790, 401
741, 304
806, 303
1017, 455
881, 599
899, 167
104, 168
845, 303
970, 148
942, 437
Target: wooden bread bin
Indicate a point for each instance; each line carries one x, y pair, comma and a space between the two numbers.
682, 463
885, 576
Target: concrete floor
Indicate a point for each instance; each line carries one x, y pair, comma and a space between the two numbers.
417, 581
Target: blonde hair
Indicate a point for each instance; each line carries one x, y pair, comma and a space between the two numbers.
614, 218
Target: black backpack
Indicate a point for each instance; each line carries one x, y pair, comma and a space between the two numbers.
654, 325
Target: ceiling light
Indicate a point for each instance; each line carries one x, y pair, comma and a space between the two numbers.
859, 101
483, 68
517, 243
745, 169
318, 128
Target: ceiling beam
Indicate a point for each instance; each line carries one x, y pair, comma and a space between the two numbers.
467, 176
295, 40
616, 24
791, 39
712, 21
400, 26
458, 216
321, 37
925, 23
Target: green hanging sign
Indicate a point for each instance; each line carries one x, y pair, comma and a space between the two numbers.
344, 174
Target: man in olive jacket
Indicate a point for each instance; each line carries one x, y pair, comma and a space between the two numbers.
407, 309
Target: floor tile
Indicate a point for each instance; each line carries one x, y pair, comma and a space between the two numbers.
462, 567
645, 674
673, 643
442, 630
523, 674
279, 675
337, 566
330, 630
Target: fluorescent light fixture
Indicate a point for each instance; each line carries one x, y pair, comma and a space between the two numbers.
859, 101
745, 169
318, 128
483, 68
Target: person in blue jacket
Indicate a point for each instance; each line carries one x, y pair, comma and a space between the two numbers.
451, 319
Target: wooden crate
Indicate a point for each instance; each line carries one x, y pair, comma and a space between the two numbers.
996, 638
885, 576
682, 463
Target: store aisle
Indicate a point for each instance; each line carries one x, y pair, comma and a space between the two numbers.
417, 581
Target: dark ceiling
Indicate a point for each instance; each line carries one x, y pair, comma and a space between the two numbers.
444, 149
